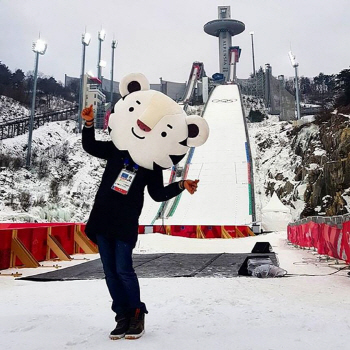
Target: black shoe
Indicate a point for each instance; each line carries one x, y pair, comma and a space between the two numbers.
137, 325
123, 323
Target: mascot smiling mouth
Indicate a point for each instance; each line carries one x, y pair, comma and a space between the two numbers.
139, 137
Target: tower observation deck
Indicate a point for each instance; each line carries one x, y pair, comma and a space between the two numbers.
224, 28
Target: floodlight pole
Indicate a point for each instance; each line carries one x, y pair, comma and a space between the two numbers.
251, 35
39, 47
81, 88
295, 64
297, 91
101, 37
114, 45
99, 69
31, 120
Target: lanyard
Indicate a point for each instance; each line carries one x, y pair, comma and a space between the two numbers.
127, 162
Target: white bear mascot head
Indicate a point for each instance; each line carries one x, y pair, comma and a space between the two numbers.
151, 126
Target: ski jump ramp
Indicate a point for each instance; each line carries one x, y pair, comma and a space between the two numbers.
223, 166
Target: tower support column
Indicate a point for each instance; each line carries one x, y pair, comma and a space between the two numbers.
224, 45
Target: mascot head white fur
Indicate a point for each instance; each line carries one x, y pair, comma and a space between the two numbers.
151, 126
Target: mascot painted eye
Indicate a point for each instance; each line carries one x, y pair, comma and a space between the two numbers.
137, 130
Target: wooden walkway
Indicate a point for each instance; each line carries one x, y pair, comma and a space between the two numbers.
20, 126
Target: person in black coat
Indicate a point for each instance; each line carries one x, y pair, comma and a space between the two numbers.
113, 223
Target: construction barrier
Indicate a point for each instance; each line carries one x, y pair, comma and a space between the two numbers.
198, 231
328, 239
26, 244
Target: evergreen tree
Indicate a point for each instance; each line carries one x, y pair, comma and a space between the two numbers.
342, 87
5, 75
5, 79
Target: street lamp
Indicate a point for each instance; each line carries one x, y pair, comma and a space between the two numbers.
251, 35
114, 45
295, 64
85, 40
253, 56
101, 37
39, 48
281, 85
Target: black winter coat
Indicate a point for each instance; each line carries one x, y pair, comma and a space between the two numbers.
114, 214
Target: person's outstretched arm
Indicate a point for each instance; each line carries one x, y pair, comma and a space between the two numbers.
161, 193
99, 149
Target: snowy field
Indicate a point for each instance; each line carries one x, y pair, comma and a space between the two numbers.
289, 313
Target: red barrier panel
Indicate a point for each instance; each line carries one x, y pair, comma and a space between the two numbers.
345, 245
212, 231
15, 225
232, 231
34, 237
25, 235
183, 231
315, 234
331, 237
39, 244
65, 236
5, 248
328, 240
291, 234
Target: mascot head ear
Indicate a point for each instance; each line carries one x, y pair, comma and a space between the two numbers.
133, 82
198, 130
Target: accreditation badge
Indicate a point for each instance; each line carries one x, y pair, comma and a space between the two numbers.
124, 181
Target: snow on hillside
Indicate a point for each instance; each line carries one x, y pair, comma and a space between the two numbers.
11, 109
63, 180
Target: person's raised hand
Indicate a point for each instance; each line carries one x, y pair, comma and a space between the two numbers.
88, 115
191, 186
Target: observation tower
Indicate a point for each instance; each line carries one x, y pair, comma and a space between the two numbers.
224, 28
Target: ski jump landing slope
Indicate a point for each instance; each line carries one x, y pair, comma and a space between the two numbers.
222, 166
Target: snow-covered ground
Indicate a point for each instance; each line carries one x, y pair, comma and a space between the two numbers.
297, 312
288, 313
11, 109
57, 158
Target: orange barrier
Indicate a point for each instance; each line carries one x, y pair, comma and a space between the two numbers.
29, 243
331, 240
199, 231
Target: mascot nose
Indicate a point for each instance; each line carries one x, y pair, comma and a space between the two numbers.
143, 126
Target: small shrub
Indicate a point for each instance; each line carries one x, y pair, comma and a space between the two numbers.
5, 160
54, 189
17, 163
43, 168
40, 202
256, 116
24, 200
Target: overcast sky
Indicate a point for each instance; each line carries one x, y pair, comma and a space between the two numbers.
161, 38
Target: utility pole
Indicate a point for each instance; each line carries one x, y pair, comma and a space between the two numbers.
39, 48
85, 40
295, 64
114, 45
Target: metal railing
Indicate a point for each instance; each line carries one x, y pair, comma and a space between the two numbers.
329, 220
20, 126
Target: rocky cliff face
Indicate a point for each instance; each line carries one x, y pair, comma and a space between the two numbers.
324, 148
307, 165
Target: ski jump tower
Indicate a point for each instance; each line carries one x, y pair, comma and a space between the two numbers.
224, 28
